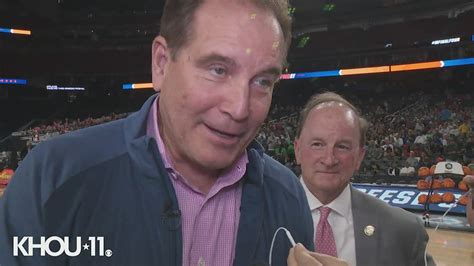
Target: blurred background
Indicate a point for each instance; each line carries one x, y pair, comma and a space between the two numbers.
407, 64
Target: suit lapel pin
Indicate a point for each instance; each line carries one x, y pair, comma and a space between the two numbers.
369, 230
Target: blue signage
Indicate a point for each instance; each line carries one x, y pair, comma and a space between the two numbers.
12, 81
407, 197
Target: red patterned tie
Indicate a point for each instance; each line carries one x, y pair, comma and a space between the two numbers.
325, 242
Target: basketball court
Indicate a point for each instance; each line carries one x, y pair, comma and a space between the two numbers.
453, 248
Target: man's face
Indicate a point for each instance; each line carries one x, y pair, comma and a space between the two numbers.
329, 149
218, 90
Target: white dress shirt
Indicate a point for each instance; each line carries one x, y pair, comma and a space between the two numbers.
340, 219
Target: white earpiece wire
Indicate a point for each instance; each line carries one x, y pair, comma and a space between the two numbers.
442, 217
290, 238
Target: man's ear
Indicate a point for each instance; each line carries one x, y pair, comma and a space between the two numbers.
296, 147
160, 56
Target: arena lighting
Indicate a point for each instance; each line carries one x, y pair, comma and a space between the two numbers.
317, 74
137, 86
364, 70
13, 81
329, 7
381, 69
291, 11
350, 71
15, 31
446, 41
58, 88
303, 41
417, 66
458, 62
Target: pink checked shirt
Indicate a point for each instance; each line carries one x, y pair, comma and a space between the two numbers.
209, 222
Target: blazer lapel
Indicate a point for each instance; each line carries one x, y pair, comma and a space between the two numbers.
366, 239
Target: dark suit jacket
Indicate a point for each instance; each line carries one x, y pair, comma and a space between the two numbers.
399, 237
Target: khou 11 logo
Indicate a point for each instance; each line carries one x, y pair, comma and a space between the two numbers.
44, 246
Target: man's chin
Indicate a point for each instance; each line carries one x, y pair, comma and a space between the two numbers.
218, 163
325, 184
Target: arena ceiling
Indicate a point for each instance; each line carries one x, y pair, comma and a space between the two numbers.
307, 13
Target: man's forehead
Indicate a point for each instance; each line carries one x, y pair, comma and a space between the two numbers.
243, 13
332, 106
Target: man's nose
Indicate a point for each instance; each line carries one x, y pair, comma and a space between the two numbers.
237, 100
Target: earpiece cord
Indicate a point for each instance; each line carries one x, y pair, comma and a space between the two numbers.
442, 217
290, 238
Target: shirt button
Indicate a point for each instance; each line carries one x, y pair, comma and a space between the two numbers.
201, 262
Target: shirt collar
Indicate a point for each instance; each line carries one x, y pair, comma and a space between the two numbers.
341, 204
153, 131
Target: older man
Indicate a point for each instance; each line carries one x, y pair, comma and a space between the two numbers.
349, 224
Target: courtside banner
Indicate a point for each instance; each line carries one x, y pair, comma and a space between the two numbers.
406, 197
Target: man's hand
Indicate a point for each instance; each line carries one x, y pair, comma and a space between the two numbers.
300, 256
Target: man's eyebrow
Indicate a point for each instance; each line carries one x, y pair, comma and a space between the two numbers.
345, 141
274, 71
205, 60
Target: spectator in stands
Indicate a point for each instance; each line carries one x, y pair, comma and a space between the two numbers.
407, 170
374, 152
397, 140
421, 139
451, 151
468, 151
374, 169
329, 155
424, 161
389, 154
180, 182
45, 131
419, 126
445, 114
412, 161
464, 129
436, 145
